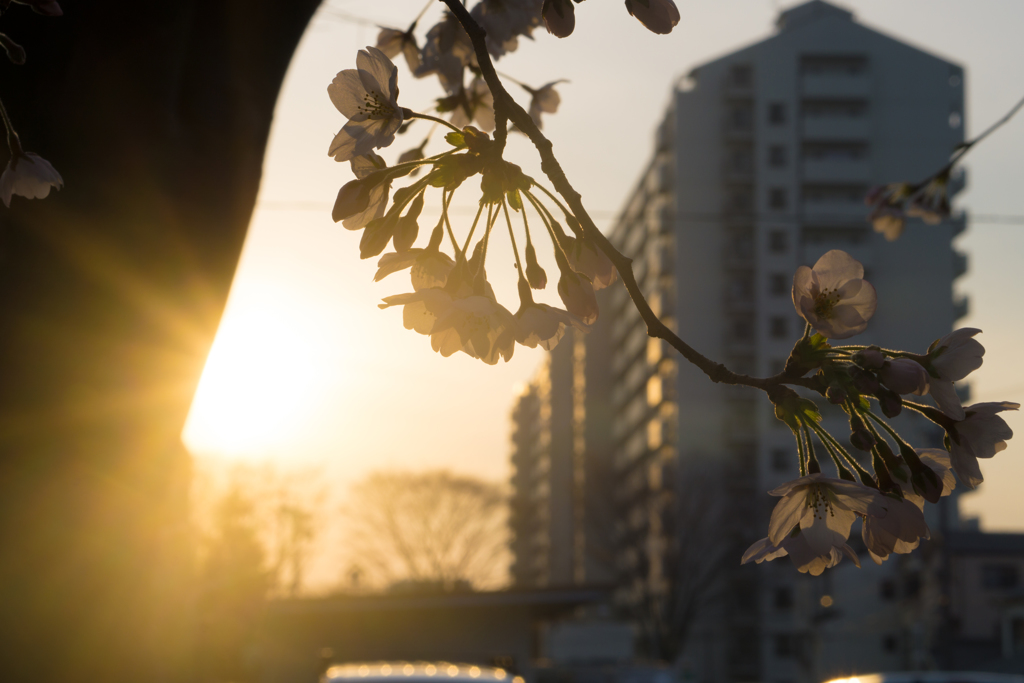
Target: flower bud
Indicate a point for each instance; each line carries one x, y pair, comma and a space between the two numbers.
578, 296
904, 376
536, 276
353, 198
869, 359
862, 439
659, 16
864, 381
835, 395
559, 17
890, 402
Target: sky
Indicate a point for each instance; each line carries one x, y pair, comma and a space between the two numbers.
308, 374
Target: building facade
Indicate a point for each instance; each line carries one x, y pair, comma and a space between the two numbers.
761, 165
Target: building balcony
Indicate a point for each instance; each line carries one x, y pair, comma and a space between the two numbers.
961, 307
836, 170
835, 211
836, 128
959, 263
836, 85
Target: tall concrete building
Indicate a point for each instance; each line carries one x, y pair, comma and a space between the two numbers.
760, 165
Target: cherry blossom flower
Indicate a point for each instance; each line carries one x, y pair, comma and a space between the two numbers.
659, 16
421, 309
949, 360
446, 53
391, 41
887, 216
931, 202
981, 434
544, 326
586, 258
578, 296
540, 324
823, 508
938, 460
559, 18
545, 100
28, 175
484, 329
365, 198
833, 296
899, 531
806, 559
476, 103
428, 267
368, 96
904, 376
506, 20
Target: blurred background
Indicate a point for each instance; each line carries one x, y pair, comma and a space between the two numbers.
349, 494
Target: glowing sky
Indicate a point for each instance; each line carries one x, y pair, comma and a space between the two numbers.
306, 371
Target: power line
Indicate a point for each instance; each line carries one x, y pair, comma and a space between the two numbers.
975, 219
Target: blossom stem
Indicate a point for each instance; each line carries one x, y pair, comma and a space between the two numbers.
445, 198
13, 141
892, 432
427, 117
472, 228
419, 16
800, 452
824, 435
812, 457
988, 131
512, 236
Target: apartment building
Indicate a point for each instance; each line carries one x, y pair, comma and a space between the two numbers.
760, 165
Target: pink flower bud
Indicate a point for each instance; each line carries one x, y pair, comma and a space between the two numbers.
559, 17
904, 376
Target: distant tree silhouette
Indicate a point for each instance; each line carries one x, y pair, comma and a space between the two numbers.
432, 529
234, 583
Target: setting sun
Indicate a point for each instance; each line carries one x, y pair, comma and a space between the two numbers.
261, 380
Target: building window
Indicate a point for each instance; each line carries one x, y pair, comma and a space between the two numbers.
777, 156
833, 65
785, 646
777, 241
776, 113
778, 327
740, 117
742, 330
778, 284
741, 76
999, 576
777, 198
782, 460
741, 160
783, 599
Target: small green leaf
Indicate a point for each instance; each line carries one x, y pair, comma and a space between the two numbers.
456, 139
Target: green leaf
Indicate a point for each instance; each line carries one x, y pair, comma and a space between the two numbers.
456, 139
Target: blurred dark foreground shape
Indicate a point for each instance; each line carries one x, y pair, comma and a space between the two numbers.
156, 115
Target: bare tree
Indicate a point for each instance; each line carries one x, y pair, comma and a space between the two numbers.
700, 558
430, 527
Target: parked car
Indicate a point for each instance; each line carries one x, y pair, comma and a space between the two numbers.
417, 672
931, 677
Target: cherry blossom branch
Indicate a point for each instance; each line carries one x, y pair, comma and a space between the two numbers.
507, 109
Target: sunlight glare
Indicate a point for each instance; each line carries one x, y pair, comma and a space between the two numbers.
263, 378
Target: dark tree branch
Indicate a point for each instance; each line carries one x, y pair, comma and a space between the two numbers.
506, 108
